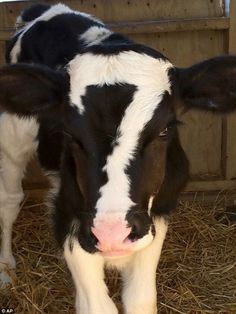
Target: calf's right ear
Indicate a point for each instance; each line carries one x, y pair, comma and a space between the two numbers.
31, 89
209, 85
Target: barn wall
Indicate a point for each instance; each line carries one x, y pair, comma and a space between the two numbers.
186, 32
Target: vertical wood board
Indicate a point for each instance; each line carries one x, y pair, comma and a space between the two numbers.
2, 52
231, 120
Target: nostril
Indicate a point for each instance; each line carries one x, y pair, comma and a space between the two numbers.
94, 235
133, 236
93, 238
139, 223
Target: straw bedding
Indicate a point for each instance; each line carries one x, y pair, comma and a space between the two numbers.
196, 274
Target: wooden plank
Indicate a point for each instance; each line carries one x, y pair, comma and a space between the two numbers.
199, 186
140, 10
124, 10
2, 52
232, 31
181, 25
201, 138
223, 197
5, 34
231, 147
218, 185
231, 120
185, 48
166, 26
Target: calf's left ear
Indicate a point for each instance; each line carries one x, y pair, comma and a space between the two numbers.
31, 89
209, 85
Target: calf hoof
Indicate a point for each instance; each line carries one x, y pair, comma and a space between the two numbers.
143, 308
99, 306
5, 280
7, 267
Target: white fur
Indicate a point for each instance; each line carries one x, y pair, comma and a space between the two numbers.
126, 67
46, 16
150, 202
138, 272
138, 245
150, 75
95, 35
17, 144
88, 273
139, 275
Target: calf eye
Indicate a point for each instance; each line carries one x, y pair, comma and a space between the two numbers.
163, 133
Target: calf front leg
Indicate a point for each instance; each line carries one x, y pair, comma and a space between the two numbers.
88, 273
139, 292
17, 144
9, 209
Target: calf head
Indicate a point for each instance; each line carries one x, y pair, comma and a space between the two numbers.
119, 118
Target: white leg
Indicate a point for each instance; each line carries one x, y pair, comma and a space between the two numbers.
139, 292
17, 144
88, 273
9, 209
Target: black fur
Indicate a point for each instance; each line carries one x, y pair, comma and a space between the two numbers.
61, 32
77, 145
210, 85
34, 11
116, 43
37, 85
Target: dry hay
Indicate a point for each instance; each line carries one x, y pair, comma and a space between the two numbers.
196, 274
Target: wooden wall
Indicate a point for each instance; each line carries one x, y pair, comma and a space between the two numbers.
186, 32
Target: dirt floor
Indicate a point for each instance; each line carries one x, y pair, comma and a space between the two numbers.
196, 274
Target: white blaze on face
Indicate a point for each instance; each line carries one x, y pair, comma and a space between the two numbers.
150, 75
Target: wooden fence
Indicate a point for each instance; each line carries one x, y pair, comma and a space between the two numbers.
186, 32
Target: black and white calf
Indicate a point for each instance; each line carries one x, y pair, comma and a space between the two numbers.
99, 110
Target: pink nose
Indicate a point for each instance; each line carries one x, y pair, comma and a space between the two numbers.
112, 236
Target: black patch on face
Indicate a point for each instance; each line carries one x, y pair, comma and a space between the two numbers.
97, 128
139, 221
72, 215
89, 139
147, 168
176, 177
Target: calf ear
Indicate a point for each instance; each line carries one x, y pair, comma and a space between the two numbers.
31, 89
210, 85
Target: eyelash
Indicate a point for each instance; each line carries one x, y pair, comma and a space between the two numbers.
164, 133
